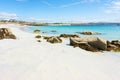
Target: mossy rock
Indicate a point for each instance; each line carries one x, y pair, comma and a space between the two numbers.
46, 37
36, 31
68, 35
90, 33
38, 36
54, 40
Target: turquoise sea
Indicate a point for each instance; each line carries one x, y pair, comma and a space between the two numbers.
109, 32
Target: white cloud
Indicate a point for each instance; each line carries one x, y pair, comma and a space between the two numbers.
32, 19
70, 4
116, 5
113, 7
4, 15
46, 3
78, 2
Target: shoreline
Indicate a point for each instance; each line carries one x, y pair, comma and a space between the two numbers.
27, 59
109, 35
22, 30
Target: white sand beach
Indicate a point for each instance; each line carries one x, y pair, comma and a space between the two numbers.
27, 59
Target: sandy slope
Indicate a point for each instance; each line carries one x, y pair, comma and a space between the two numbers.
26, 59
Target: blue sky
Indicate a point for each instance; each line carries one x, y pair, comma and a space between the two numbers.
61, 10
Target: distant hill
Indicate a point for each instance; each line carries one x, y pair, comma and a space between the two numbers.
94, 24
57, 24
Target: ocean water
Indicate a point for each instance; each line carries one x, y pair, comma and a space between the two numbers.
111, 32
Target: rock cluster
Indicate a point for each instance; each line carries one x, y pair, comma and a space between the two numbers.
88, 33
113, 45
68, 35
46, 37
5, 33
89, 43
38, 38
53, 39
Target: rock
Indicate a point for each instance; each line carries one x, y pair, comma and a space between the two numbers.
46, 37
83, 45
89, 33
12, 36
98, 43
113, 45
116, 43
93, 43
38, 40
5, 33
54, 40
37, 36
53, 31
36, 31
117, 49
68, 35
44, 32
108, 42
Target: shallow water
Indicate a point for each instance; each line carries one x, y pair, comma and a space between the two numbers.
110, 32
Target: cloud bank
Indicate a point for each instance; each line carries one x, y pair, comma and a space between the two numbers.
113, 7
4, 15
